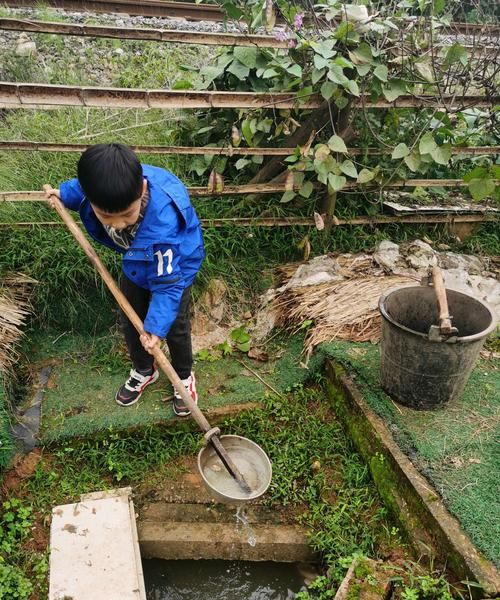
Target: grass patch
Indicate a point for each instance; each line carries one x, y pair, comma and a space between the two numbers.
315, 469
88, 370
455, 447
6, 443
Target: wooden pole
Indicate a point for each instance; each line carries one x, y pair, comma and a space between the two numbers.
157, 352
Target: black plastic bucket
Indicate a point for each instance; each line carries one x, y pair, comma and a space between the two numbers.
416, 371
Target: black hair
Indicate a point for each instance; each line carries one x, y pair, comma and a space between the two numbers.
110, 176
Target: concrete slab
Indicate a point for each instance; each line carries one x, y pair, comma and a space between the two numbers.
94, 550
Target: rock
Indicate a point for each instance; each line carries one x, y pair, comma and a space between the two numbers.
482, 288
213, 300
419, 255
25, 46
472, 264
321, 269
387, 256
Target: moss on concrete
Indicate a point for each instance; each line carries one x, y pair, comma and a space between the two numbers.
454, 447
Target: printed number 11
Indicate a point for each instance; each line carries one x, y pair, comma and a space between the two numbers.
169, 255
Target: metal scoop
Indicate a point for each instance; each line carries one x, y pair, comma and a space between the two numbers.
445, 330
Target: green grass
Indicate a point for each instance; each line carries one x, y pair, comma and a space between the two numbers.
455, 447
6, 443
88, 370
338, 501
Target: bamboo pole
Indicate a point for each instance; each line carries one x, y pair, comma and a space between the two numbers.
32, 146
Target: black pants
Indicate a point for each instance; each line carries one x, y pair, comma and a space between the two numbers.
178, 338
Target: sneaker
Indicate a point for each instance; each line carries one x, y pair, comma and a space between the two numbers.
132, 389
180, 409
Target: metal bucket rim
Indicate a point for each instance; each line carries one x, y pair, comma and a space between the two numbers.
231, 498
468, 338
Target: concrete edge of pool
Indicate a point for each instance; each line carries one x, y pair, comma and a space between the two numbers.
413, 503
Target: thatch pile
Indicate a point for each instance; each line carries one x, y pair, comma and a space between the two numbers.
343, 308
14, 309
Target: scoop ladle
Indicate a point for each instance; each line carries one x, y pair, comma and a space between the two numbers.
211, 433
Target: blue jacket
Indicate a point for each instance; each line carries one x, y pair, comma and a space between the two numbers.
167, 250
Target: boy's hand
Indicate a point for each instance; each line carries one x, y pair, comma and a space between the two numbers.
49, 192
149, 341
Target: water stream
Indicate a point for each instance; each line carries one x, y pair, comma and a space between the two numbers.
241, 517
221, 580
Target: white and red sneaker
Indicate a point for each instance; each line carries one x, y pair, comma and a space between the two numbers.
180, 409
130, 392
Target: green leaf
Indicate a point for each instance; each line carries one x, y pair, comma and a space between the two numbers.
182, 84
442, 154
363, 69
412, 161
240, 335
245, 347
438, 6
393, 90
427, 144
477, 173
241, 163
320, 62
211, 73
481, 188
246, 131
321, 152
316, 75
233, 11
400, 151
341, 61
361, 55
425, 70
307, 189
349, 169
337, 144
381, 73
325, 48
341, 102
247, 55
337, 182
287, 196
295, 70
239, 69
456, 53
268, 73
336, 74
328, 89
352, 87
365, 175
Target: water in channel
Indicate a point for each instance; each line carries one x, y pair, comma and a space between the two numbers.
221, 580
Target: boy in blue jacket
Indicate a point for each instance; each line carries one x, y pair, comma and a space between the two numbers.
144, 213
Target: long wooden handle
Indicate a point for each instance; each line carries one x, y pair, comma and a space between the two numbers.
442, 301
158, 354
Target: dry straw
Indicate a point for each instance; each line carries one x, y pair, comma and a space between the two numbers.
346, 309
14, 309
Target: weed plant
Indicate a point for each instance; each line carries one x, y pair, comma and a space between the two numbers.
21, 569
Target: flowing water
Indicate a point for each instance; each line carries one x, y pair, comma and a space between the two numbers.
221, 580
241, 518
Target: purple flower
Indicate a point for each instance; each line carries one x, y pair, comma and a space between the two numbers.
281, 35
298, 20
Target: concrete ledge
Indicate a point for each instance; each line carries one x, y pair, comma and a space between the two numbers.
415, 505
223, 541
